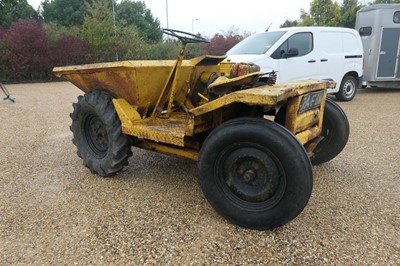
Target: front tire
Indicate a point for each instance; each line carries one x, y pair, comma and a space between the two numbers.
348, 89
97, 134
335, 130
255, 173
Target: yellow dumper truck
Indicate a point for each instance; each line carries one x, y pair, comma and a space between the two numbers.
254, 140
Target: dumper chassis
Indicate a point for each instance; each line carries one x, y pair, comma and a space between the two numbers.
254, 140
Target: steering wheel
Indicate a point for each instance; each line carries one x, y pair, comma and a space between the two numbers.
185, 37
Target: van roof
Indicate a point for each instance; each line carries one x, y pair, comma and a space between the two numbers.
380, 6
313, 28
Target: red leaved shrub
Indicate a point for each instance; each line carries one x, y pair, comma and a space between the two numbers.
69, 51
25, 55
220, 44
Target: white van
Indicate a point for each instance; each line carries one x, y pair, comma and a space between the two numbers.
307, 53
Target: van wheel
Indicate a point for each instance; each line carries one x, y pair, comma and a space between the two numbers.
335, 130
255, 173
348, 89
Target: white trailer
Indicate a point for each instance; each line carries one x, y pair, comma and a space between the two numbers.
379, 28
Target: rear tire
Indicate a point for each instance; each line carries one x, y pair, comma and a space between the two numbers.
255, 173
97, 134
335, 130
348, 89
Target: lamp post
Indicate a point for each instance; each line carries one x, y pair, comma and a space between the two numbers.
193, 20
115, 29
166, 4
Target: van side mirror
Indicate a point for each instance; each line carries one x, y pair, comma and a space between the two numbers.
291, 53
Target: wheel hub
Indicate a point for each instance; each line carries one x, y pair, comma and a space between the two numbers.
96, 135
348, 88
251, 175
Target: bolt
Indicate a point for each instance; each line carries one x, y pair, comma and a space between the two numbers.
249, 175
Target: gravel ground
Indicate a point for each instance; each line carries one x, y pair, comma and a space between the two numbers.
54, 211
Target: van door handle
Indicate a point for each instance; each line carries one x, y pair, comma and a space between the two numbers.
324, 60
312, 61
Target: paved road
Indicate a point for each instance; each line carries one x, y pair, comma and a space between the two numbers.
54, 211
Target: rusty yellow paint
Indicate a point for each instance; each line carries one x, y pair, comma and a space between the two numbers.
307, 125
170, 130
127, 113
205, 77
135, 81
292, 123
173, 130
203, 97
199, 124
307, 135
322, 109
166, 90
264, 95
307, 120
131, 80
174, 82
225, 68
139, 82
165, 130
169, 150
224, 82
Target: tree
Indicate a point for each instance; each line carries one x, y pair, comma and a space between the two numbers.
14, 10
27, 54
348, 13
3, 47
289, 23
55, 32
64, 12
329, 13
130, 44
98, 31
221, 43
2, 32
305, 19
127, 40
322, 13
26, 50
136, 13
325, 13
69, 50
167, 50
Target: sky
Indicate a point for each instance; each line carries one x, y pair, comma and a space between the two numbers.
217, 16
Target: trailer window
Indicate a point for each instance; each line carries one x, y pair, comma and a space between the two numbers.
365, 31
396, 17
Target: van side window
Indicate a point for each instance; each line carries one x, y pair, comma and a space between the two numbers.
396, 17
303, 42
365, 31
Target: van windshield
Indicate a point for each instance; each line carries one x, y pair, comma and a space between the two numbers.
256, 44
